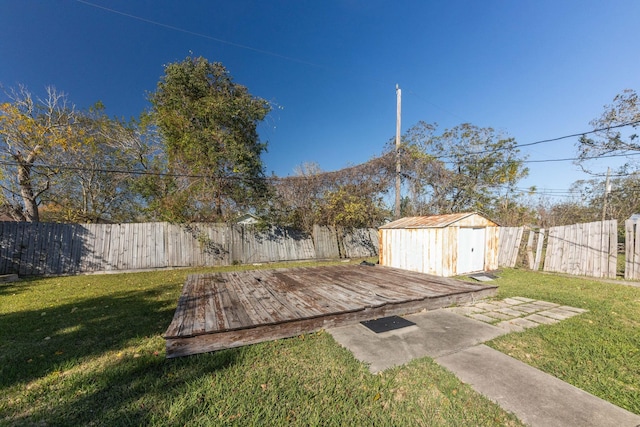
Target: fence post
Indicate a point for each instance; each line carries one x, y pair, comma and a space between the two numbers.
630, 263
530, 259
536, 264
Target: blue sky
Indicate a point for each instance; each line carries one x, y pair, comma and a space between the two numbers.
532, 69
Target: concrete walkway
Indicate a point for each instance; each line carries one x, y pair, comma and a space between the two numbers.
453, 338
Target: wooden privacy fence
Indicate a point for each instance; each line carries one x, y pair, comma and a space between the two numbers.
632, 250
509, 245
589, 249
534, 259
30, 249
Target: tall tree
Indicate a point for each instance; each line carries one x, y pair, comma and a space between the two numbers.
32, 129
464, 168
613, 137
622, 200
566, 212
297, 199
209, 128
103, 186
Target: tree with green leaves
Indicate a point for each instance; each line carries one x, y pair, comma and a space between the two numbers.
464, 168
350, 197
623, 200
103, 185
33, 129
616, 132
209, 128
348, 207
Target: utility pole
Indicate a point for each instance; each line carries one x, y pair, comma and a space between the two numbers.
398, 127
607, 190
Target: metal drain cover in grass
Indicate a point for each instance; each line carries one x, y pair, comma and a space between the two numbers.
385, 324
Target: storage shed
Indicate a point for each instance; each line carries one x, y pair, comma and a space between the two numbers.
442, 245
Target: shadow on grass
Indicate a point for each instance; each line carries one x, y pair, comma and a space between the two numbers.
36, 343
123, 392
15, 288
99, 358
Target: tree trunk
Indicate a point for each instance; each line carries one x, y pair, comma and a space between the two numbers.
218, 205
26, 191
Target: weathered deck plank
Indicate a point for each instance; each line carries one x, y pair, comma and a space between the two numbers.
286, 288
345, 289
383, 287
224, 310
211, 322
254, 309
277, 306
234, 312
186, 324
199, 319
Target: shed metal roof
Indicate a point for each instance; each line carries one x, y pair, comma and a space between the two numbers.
434, 221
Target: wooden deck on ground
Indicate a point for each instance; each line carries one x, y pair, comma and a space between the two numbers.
224, 310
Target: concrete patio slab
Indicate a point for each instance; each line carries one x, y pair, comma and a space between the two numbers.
543, 320
436, 333
482, 317
523, 299
454, 337
557, 314
512, 301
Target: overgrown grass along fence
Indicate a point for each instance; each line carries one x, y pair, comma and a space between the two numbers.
32, 249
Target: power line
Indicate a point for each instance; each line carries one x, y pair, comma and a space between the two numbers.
579, 134
573, 135
352, 169
578, 158
246, 47
193, 33
119, 171
297, 60
273, 178
330, 173
435, 105
566, 159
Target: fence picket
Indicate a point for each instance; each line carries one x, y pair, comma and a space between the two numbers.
509, 240
588, 249
536, 264
632, 250
636, 251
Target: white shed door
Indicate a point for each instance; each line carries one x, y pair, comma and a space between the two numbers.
471, 243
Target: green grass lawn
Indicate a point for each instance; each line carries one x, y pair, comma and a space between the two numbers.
597, 351
87, 350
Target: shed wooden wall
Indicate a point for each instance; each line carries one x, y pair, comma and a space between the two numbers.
492, 253
425, 250
434, 250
